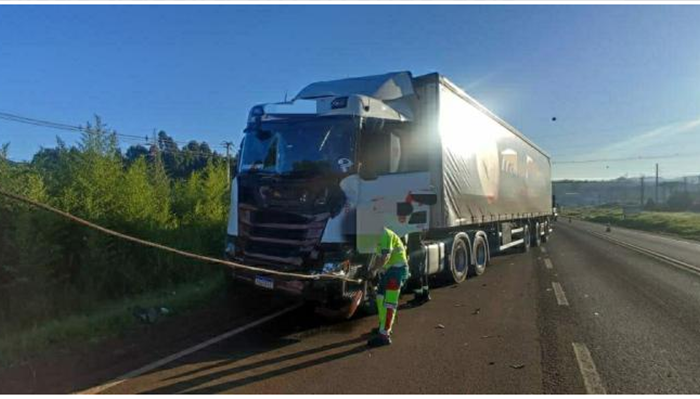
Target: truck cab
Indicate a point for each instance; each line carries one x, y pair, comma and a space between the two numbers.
308, 170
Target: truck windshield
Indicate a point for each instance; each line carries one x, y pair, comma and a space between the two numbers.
308, 146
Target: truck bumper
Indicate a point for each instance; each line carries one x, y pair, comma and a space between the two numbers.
312, 290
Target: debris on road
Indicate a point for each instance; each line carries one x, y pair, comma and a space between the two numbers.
517, 366
440, 326
490, 336
476, 311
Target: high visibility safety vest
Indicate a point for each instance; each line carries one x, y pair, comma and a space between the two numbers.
390, 244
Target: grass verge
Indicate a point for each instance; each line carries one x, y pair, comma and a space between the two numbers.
680, 224
105, 321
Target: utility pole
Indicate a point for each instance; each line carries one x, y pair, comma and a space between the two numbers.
228, 145
641, 198
153, 151
656, 189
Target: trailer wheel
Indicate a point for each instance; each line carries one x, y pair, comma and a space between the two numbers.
538, 234
481, 256
459, 260
526, 238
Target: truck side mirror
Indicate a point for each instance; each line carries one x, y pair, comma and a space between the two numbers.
425, 199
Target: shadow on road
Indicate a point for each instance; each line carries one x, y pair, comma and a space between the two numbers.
187, 385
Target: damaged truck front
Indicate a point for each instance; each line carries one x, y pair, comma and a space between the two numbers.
294, 198
320, 176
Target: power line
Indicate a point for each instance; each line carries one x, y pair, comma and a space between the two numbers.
74, 128
10, 159
58, 126
626, 128
124, 137
640, 157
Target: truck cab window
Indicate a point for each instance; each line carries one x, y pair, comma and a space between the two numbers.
271, 157
388, 148
375, 150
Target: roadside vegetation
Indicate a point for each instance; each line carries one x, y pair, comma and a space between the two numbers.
681, 224
61, 282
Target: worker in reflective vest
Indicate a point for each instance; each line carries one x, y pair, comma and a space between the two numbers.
392, 261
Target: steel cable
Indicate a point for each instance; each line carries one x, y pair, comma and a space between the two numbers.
162, 247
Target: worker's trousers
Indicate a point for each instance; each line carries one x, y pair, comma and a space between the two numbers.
388, 293
424, 287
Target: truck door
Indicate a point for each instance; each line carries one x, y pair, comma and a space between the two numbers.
389, 197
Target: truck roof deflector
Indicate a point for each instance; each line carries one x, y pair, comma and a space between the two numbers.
390, 86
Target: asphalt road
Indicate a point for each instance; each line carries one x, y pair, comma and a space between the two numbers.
463, 341
639, 316
580, 314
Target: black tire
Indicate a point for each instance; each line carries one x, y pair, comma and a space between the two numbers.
368, 307
481, 256
537, 235
459, 259
526, 238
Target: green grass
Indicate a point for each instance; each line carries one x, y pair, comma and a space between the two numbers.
681, 224
106, 321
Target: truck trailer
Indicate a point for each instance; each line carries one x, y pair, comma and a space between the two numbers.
320, 176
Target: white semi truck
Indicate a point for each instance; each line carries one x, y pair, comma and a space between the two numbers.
320, 176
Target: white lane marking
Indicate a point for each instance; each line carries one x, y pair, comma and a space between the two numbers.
659, 256
548, 263
183, 353
543, 249
591, 379
559, 293
667, 259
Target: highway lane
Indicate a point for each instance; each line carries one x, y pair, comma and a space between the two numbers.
639, 316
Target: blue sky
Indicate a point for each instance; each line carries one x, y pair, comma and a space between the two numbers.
622, 81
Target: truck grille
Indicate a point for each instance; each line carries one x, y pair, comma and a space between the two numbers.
277, 239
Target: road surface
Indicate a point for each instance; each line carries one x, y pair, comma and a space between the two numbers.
583, 313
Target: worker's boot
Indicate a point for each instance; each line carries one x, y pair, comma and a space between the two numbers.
379, 340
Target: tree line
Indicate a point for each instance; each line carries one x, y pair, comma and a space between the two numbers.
178, 196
